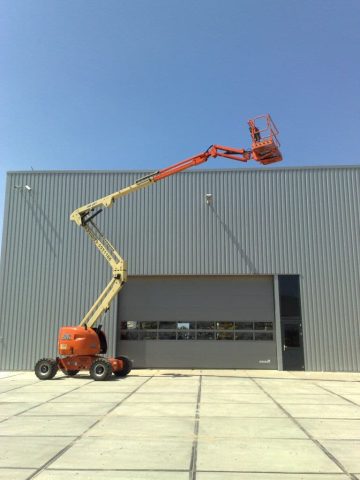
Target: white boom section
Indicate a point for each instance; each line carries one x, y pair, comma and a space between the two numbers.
82, 217
78, 215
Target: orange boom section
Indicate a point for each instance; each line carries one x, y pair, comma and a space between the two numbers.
264, 149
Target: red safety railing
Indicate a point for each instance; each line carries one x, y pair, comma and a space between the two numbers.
260, 133
265, 145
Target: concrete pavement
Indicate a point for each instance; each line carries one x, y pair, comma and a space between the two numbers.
188, 424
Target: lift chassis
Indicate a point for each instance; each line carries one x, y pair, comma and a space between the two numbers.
83, 347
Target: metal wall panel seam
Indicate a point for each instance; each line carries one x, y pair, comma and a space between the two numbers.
7, 326
339, 245
353, 266
16, 321
309, 261
6, 270
4, 265
349, 292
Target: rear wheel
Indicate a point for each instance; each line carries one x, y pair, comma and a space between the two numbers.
70, 373
100, 370
127, 366
46, 368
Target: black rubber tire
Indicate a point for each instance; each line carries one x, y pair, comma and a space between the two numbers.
126, 368
100, 370
46, 369
70, 373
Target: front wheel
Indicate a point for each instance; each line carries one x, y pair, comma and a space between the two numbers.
100, 370
46, 368
127, 366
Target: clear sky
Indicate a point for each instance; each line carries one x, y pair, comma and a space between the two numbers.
141, 84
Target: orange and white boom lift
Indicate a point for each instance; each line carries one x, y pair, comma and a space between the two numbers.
82, 347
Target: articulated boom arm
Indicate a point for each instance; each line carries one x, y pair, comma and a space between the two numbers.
265, 150
80, 215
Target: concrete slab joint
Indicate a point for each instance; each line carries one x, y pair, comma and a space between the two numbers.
181, 425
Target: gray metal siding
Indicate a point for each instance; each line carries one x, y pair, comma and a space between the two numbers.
272, 221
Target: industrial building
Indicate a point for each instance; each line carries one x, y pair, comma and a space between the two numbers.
246, 268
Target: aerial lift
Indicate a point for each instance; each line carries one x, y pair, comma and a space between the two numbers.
82, 347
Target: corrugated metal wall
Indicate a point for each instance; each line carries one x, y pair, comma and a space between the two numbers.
273, 221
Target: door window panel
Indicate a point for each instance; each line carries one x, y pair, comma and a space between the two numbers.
263, 335
129, 335
206, 325
289, 293
167, 335
129, 325
148, 325
205, 335
168, 325
225, 335
186, 335
225, 325
263, 326
147, 335
292, 336
244, 326
244, 336
186, 325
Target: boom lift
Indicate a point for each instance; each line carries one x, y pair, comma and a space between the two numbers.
82, 347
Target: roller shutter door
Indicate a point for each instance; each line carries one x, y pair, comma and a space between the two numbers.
198, 322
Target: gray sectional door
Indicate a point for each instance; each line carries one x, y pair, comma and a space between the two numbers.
198, 322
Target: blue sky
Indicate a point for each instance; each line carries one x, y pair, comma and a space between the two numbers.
140, 84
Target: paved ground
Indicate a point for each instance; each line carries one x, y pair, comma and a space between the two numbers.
181, 425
